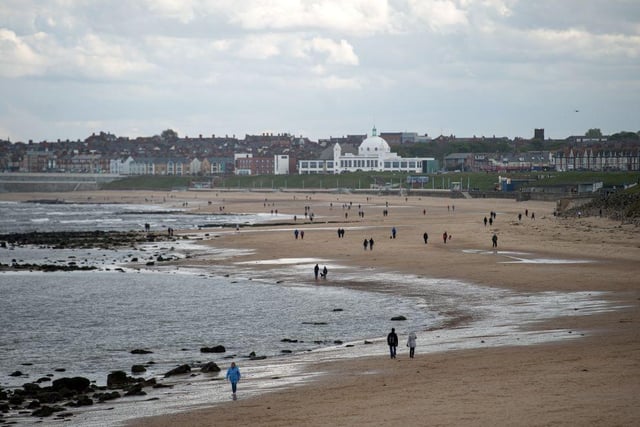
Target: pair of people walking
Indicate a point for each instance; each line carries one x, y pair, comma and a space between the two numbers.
392, 341
316, 271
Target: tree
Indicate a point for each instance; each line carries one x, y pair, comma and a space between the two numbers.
169, 135
593, 133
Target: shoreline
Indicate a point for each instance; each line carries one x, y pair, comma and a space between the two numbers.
590, 380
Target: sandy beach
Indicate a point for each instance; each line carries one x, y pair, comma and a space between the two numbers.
592, 380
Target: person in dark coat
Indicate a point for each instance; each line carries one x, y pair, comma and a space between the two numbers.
392, 341
316, 271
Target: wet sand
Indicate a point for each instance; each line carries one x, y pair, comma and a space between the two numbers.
592, 380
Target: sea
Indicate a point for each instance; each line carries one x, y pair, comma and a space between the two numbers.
87, 323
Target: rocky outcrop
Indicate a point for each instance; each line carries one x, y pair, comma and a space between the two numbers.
210, 367
214, 349
180, 370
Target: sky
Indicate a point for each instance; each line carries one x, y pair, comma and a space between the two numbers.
318, 68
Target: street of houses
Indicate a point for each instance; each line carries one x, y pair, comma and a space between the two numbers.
283, 154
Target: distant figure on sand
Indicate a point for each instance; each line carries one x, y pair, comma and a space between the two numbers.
411, 343
324, 272
233, 376
425, 236
365, 244
444, 237
316, 271
371, 244
494, 239
392, 341
393, 233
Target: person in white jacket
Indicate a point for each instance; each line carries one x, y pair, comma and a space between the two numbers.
411, 343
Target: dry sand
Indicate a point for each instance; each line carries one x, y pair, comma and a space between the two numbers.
592, 380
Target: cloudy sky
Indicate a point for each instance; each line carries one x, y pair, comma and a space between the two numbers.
318, 68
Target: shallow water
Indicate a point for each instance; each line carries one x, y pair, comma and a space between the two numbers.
18, 217
88, 322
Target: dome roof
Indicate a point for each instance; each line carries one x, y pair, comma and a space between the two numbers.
373, 145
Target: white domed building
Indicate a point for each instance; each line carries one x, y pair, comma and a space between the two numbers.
373, 154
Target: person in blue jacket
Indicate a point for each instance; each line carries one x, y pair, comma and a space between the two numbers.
233, 376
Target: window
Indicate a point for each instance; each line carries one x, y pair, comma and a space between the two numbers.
304, 165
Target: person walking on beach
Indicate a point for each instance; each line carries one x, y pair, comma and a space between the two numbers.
425, 236
494, 239
316, 271
393, 233
444, 237
324, 272
365, 244
233, 376
371, 244
411, 343
392, 341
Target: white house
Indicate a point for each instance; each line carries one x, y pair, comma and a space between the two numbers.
120, 166
373, 154
281, 164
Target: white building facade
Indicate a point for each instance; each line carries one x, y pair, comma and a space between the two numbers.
374, 154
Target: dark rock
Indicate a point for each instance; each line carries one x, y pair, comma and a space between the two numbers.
46, 411
337, 342
50, 397
84, 401
16, 374
288, 340
286, 351
16, 399
257, 357
162, 386
135, 390
107, 396
59, 369
136, 369
182, 369
77, 384
367, 342
337, 309
31, 388
210, 367
398, 318
214, 349
117, 379
141, 351
43, 379
33, 404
